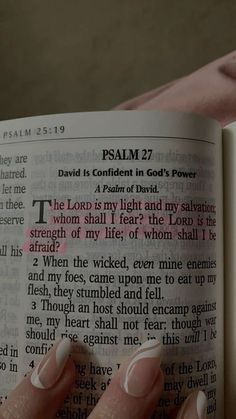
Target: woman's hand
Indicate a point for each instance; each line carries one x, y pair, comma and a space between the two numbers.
132, 394
209, 91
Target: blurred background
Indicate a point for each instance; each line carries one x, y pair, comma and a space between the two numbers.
81, 55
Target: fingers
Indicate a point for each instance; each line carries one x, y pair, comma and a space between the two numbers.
194, 406
135, 102
41, 393
209, 91
136, 388
133, 393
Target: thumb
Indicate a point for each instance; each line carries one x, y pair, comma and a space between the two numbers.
41, 393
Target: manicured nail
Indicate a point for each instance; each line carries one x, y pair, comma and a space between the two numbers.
229, 69
51, 367
139, 376
194, 406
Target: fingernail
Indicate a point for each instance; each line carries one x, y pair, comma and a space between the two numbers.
51, 367
194, 406
229, 69
139, 376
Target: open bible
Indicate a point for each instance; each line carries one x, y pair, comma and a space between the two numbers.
112, 232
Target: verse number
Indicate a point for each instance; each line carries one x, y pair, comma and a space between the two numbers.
33, 305
31, 364
35, 262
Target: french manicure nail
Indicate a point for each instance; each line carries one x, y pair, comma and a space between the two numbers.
51, 367
139, 376
194, 406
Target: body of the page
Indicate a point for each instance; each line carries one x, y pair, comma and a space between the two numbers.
111, 234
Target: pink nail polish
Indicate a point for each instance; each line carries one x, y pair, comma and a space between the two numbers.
51, 367
138, 378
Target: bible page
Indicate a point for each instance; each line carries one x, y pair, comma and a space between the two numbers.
111, 234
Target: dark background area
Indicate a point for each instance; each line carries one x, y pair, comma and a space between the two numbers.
73, 55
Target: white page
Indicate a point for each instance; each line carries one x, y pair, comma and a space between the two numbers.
165, 287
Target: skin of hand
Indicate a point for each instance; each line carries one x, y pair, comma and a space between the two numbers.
133, 392
209, 91
137, 386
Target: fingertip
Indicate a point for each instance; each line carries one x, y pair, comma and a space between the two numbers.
139, 374
67, 378
195, 406
136, 388
28, 400
50, 368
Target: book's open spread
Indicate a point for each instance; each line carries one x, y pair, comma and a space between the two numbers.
111, 229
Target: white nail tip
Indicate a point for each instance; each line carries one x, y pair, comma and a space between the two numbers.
61, 355
149, 344
201, 405
63, 351
35, 381
149, 349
